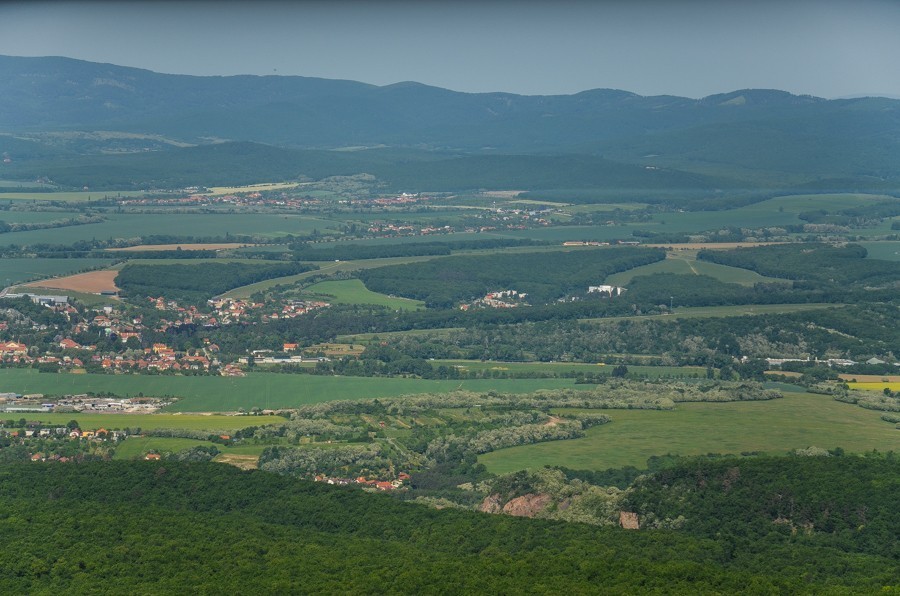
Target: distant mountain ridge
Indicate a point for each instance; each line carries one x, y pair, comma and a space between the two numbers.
748, 134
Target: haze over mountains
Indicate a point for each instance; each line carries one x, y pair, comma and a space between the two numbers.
747, 138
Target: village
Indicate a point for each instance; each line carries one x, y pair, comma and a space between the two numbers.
109, 339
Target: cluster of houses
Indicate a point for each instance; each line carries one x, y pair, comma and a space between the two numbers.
382, 485
229, 310
498, 299
158, 358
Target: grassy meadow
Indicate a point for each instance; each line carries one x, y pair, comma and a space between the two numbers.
885, 250
686, 263
799, 420
352, 291
16, 270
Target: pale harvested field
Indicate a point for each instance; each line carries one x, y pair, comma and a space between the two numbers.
502, 194
870, 378
92, 282
156, 247
231, 190
711, 245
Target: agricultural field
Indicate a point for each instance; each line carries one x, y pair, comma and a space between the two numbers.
263, 187
147, 422
69, 197
851, 379
828, 202
247, 291
17, 270
15, 217
262, 390
799, 420
130, 225
686, 263
885, 250
352, 291
875, 386
93, 282
183, 246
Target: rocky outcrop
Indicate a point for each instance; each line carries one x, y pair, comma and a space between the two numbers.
527, 505
629, 520
491, 504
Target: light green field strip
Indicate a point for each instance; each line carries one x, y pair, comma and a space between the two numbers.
353, 291
687, 264
262, 390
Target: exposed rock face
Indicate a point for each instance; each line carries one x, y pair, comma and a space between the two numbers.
629, 520
527, 505
491, 504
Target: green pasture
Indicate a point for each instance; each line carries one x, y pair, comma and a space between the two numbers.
799, 420
132, 225
886, 250
213, 423
263, 390
353, 291
15, 270
687, 264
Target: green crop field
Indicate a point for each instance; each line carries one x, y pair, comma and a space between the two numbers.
352, 291
130, 225
801, 203
150, 421
886, 251
263, 390
13, 271
799, 420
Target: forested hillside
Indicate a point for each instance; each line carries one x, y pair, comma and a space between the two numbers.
143, 527
752, 137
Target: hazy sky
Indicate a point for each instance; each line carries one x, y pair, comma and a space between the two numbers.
829, 48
